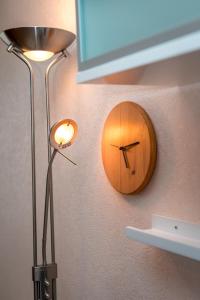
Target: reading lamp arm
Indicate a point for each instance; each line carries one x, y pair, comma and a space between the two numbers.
44, 238
46, 209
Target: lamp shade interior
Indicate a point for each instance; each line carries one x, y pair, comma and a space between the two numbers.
38, 55
36, 38
63, 133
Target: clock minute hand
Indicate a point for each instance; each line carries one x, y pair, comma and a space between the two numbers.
131, 145
125, 158
123, 149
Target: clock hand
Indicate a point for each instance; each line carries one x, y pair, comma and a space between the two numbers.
114, 146
123, 149
120, 148
131, 145
125, 158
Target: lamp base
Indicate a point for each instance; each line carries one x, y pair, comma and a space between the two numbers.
45, 278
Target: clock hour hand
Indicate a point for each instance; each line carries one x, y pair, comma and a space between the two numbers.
125, 158
131, 145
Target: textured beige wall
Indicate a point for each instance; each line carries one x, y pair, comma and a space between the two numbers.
95, 260
50, 13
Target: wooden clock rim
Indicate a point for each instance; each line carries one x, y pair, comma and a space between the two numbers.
153, 146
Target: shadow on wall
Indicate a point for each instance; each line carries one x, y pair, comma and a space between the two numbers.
182, 267
180, 71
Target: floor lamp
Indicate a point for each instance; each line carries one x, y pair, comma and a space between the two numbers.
39, 44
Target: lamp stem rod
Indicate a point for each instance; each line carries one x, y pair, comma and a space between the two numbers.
48, 117
21, 57
34, 200
46, 209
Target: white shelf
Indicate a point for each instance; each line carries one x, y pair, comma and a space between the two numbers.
173, 235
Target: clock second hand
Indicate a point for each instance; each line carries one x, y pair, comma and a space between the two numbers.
114, 146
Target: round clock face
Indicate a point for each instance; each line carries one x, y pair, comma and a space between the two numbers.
128, 148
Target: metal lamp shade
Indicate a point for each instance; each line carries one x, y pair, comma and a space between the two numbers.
39, 38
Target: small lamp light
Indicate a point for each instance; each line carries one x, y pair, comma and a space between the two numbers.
38, 55
63, 133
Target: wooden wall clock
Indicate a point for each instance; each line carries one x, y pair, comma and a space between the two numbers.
128, 148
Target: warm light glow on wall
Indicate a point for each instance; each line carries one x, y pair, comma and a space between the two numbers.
64, 134
38, 55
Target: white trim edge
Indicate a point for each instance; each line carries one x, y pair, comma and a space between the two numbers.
172, 48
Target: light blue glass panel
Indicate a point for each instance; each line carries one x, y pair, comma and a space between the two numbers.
107, 25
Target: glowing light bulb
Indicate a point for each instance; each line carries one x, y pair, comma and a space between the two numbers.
38, 55
64, 134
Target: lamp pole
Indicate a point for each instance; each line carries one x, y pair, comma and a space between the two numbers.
44, 276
